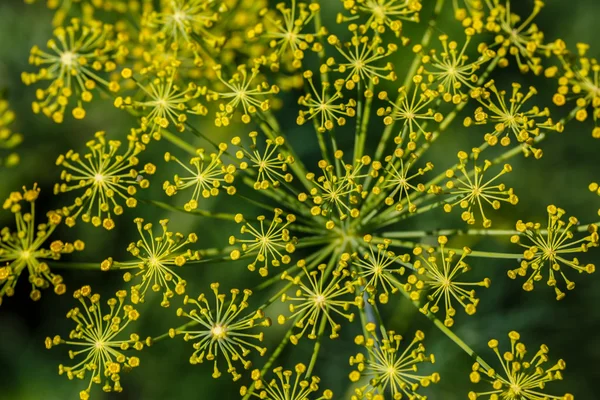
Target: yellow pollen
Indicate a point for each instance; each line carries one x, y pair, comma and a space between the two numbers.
319, 299
68, 58
218, 331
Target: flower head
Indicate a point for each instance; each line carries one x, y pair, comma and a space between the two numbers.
157, 256
551, 250
269, 166
285, 31
103, 177
389, 368
160, 101
511, 117
523, 378
377, 271
223, 330
383, 14
337, 192
324, 109
207, 174
438, 276
321, 294
287, 387
412, 109
580, 81
520, 38
22, 249
185, 25
245, 89
270, 244
79, 58
362, 60
100, 346
470, 191
452, 68
397, 181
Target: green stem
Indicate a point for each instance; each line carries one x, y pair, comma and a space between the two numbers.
473, 253
202, 213
317, 347
179, 142
451, 232
74, 265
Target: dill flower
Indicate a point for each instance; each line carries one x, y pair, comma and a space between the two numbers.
284, 29
99, 343
270, 165
520, 38
412, 109
185, 25
439, 277
397, 180
524, 379
78, 59
270, 244
508, 116
8, 139
361, 60
390, 369
245, 89
550, 250
104, 177
337, 191
223, 330
22, 249
325, 109
470, 191
377, 271
160, 101
287, 387
320, 295
157, 256
383, 14
580, 81
452, 69
207, 174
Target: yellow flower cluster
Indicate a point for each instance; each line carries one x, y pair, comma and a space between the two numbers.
323, 130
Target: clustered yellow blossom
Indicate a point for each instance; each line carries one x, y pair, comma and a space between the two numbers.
104, 178
390, 368
550, 251
438, 278
99, 343
377, 272
222, 330
286, 386
521, 377
471, 192
78, 60
157, 255
207, 174
269, 243
323, 130
316, 302
24, 248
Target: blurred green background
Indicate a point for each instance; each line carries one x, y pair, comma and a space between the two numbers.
570, 327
